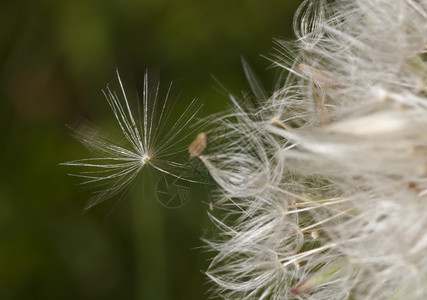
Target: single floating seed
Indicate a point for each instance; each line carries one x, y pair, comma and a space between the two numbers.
198, 146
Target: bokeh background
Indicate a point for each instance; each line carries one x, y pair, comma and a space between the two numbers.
55, 58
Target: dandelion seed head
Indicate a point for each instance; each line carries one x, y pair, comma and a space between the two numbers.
341, 146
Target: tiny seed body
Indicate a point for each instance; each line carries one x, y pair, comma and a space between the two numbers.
198, 146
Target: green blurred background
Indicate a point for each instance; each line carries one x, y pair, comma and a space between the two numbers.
56, 57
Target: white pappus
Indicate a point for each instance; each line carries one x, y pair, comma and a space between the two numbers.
341, 148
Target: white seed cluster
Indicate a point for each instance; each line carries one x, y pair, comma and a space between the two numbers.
325, 182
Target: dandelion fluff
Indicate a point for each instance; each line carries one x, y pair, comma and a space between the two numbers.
147, 143
342, 148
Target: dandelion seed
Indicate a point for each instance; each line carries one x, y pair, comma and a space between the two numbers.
198, 146
148, 143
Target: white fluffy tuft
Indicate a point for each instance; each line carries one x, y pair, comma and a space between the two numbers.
325, 184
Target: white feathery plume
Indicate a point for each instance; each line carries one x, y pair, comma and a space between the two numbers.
147, 143
325, 184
